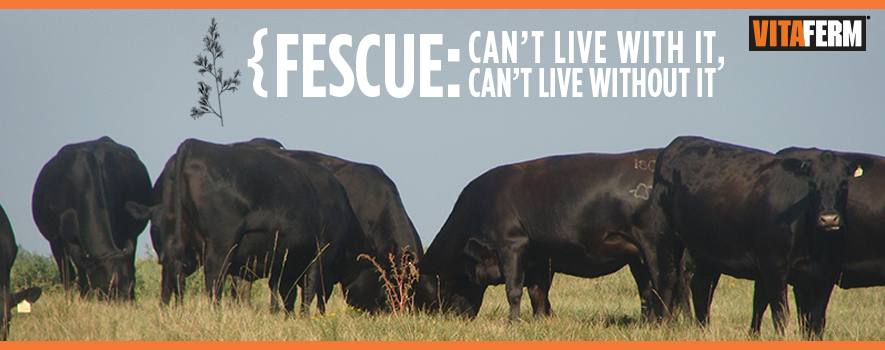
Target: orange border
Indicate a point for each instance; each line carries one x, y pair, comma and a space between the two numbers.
441, 345
447, 4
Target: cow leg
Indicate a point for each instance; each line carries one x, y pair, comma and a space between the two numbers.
307, 297
69, 226
241, 290
172, 282
304, 307
703, 285
65, 268
283, 285
274, 283
774, 292
660, 260
512, 259
760, 303
539, 289
324, 284
213, 270
779, 309
312, 286
323, 300
685, 269
646, 292
274, 299
83, 281
811, 304
180, 286
319, 291
287, 291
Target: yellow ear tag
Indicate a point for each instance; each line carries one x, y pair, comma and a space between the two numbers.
858, 172
23, 307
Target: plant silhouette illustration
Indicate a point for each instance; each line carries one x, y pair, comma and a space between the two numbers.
208, 64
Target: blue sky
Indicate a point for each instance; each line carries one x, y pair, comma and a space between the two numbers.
70, 76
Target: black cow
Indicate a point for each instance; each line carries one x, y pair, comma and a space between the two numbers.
751, 215
78, 205
229, 208
519, 224
373, 197
862, 260
372, 194
8, 250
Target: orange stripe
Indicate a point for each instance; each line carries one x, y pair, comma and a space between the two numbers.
447, 4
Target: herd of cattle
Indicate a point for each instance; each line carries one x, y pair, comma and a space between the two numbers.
679, 216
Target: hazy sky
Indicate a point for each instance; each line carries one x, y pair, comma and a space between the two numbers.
71, 76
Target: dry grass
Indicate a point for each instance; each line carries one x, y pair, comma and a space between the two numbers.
586, 309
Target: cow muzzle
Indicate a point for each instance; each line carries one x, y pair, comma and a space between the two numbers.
830, 222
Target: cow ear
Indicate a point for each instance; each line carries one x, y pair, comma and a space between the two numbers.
139, 211
796, 166
30, 294
476, 249
859, 164
129, 246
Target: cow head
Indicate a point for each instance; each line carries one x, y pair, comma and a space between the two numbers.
10, 300
154, 214
367, 290
177, 259
430, 292
827, 175
449, 294
458, 287
112, 277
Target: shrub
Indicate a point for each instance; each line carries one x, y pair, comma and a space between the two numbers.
34, 270
398, 280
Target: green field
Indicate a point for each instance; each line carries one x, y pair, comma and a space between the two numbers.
605, 308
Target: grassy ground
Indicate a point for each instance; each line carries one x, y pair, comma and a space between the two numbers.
606, 308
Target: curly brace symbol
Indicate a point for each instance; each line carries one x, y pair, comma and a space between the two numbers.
253, 62
641, 191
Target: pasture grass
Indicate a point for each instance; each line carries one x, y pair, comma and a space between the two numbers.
605, 308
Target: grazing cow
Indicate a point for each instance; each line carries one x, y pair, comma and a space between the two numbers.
230, 208
78, 205
8, 250
862, 260
520, 224
373, 197
749, 214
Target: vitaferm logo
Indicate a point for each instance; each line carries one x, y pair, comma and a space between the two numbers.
808, 33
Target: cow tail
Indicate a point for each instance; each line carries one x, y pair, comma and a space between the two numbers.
178, 201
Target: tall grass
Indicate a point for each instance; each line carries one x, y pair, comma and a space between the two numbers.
605, 308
